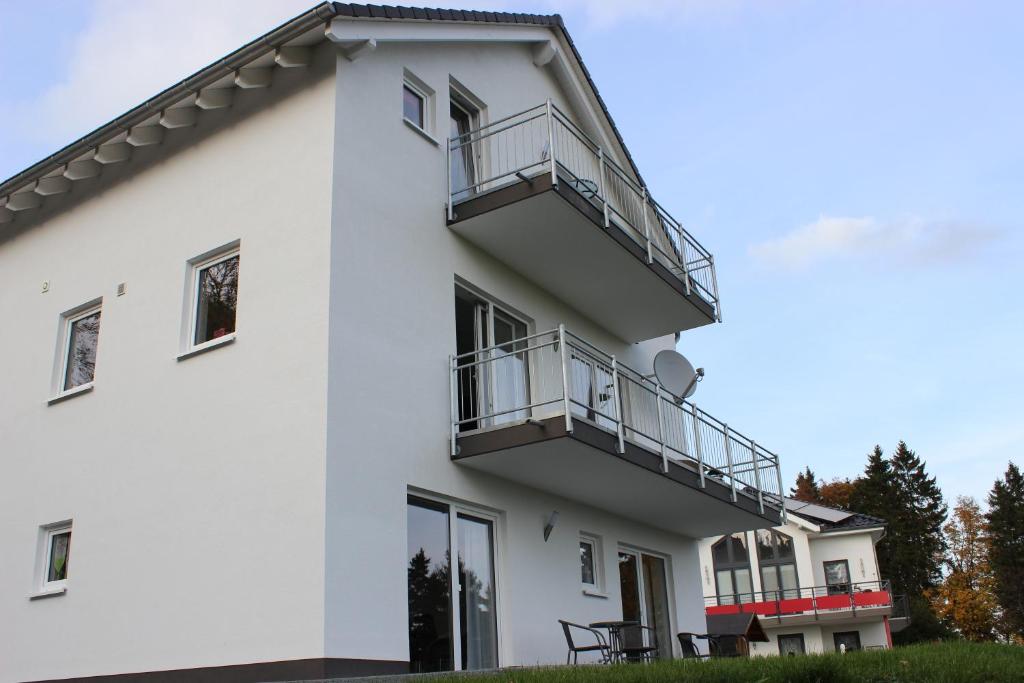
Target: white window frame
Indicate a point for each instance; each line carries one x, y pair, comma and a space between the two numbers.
595, 589
47, 532
191, 308
426, 94
61, 365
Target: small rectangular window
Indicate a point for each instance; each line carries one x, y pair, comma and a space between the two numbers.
83, 337
413, 107
215, 298
587, 563
57, 554
75, 362
591, 574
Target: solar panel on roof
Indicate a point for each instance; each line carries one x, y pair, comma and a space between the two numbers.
828, 514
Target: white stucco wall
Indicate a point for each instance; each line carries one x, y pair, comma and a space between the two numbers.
249, 504
195, 487
856, 548
396, 264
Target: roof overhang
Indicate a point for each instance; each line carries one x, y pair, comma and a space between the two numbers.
356, 29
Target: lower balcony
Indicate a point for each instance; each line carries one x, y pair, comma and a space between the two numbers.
805, 605
552, 412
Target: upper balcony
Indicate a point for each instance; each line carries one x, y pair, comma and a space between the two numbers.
537, 193
803, 605
553, 412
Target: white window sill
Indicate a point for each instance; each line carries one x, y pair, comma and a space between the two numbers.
208, 346
427, 136
71, 393
590, 592
48, 592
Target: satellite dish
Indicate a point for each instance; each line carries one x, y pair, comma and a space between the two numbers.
676, 374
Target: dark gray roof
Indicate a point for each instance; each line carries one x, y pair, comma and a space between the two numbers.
319, 14
851, 519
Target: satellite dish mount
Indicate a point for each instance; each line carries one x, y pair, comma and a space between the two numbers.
676, 374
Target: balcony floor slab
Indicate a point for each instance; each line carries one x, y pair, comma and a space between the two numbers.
584, 466
556, 237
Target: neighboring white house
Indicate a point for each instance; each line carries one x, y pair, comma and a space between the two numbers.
379, 289
813, 582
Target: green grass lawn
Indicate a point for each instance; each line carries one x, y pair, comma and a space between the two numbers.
953, 662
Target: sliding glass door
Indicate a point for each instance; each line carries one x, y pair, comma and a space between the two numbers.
496, 386
477, 615
644, 588
433, 615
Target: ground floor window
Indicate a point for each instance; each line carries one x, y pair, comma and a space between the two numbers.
792, 644
846, 641
437, 532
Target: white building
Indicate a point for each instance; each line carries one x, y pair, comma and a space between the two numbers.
813, 582
284, 338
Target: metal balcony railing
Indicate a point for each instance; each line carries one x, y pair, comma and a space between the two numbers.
557, 373
808, 600
544, 140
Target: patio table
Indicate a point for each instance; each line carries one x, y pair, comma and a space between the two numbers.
614, 629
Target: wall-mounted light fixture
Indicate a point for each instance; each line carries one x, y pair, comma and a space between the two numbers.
550, 526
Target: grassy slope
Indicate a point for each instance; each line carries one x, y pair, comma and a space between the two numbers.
934, 663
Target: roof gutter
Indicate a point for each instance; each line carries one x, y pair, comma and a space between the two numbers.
192, 84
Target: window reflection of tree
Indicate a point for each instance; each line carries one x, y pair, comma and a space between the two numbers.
85, 334
429, 611
218, 298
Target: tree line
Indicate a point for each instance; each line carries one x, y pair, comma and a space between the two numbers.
962, 571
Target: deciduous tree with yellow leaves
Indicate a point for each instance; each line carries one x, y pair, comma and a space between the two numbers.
965, 600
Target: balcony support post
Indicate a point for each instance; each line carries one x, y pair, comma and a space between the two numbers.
728, 462
601, 187
647, 227
448, 173
697, 446
453, 370
782, 499
714, 285
619, 428
757, 475
661, 429
564, 349
683, 259
551, 144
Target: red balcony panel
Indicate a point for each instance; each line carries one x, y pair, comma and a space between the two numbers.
764, 609
872, 599
833, 601
722, 609
796, 605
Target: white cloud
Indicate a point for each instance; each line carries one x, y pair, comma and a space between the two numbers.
840, 237
130, 50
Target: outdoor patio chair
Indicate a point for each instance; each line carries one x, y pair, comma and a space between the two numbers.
689, 647
639, 643
601, 645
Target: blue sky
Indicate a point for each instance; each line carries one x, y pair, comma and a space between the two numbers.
856, 168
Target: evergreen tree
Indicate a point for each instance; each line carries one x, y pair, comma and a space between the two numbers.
806, 488
872, 492
1006, 555
899, 491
